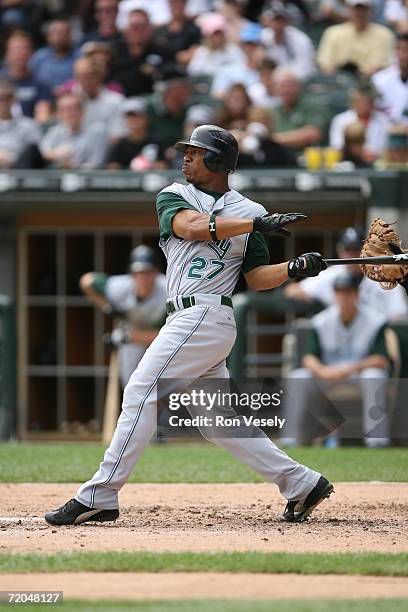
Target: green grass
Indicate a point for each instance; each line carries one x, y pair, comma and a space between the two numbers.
211, 605
364, 563
198, 462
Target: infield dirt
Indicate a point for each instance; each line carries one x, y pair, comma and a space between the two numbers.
209, 517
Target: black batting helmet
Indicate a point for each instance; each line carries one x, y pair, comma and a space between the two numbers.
142, 258
221, 147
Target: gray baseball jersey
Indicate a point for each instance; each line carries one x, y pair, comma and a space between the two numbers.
207, 266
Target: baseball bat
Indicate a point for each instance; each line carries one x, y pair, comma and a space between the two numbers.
111, 409
386, 260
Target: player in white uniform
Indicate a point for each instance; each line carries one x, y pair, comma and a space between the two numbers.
391, 304
209, 232
136, 300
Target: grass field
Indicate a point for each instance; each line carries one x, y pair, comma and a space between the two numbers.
364, 564
193, 463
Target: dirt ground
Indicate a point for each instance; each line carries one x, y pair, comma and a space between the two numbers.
210, 517
212, 585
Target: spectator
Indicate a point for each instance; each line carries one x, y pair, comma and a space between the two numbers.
257, 147
333, 11
392, 83
353, 152
396, 153
299, 121
198, 114
234, 113
288, 46
263, 93
137, 59
346, 345
215, 53
70, 143
392, 304
232, 11
247, 73
167, 111
101, 54
16, 133
362, 110
396, 14
54, 63
136, 150
13, 15
99, 103
33, 95
358, 44
158, 11
106, 12
180, 36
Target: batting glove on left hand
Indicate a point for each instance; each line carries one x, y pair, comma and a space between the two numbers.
118, 337
274, 224
308, 264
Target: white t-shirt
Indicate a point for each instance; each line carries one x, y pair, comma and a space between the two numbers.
206, 61
392, 304
393, 91
296, 52
376, 131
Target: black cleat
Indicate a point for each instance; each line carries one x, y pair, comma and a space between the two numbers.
75, 513
298, 511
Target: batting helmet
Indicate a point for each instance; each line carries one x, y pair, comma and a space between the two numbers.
142, 258
221, 147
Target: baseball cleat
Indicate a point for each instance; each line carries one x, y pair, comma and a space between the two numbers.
75, 513
299, 510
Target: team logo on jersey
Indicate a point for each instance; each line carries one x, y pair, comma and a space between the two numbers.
221, 247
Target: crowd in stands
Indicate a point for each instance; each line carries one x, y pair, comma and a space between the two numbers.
113, 84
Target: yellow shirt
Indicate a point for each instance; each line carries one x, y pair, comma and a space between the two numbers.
370, 49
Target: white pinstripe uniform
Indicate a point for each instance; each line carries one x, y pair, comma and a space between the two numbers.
194, 343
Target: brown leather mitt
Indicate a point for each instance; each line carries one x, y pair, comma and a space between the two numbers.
380, 235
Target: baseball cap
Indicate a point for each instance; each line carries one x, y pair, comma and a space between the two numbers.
142, 259
347, 281
200, 114
209, 23
276, 9
351, 238
136, 106
251, 33
359, 2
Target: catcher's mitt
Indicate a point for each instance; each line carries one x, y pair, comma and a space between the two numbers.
380, 235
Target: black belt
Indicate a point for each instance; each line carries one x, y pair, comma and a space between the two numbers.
190, 300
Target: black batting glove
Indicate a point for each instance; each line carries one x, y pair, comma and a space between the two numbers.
274, 224
308, 264
396, 249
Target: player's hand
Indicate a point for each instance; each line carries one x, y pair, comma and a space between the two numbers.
308, 264
118, 337
274, 224
111, 311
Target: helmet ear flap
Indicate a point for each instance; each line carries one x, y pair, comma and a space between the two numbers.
213, 162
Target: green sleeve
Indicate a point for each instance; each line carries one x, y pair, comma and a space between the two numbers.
168, 204
313, 344
99, 282
379, 347
256, 254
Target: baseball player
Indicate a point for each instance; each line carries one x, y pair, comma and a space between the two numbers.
137, 301
392, 305
208, 233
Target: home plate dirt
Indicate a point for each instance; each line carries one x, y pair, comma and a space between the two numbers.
209, 517
211, 585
